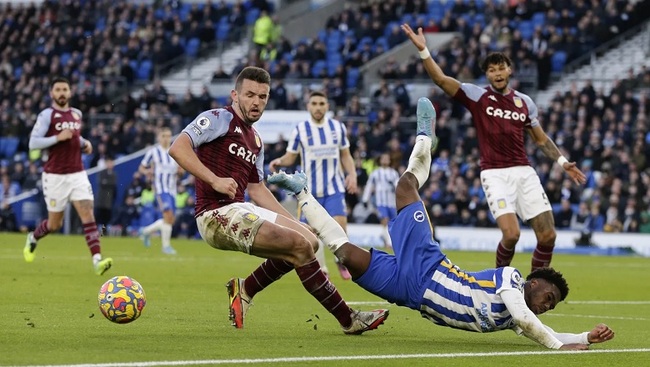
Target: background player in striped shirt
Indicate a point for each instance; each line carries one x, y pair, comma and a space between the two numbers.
58, 132
324, 150
382, 183
501, 116
159, 164
419, 276
225, 153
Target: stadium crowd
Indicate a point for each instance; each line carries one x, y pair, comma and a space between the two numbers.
606, 133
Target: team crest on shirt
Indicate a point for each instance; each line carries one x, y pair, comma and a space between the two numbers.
52, 202
501, 203
76, 116
418, 216
518, 102
258, 141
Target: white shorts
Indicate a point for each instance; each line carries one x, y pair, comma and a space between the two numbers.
514, 190
234, 226
58, 189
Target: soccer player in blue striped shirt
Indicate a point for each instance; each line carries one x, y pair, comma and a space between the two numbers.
324, 149
419, 276
382, 183
165, 171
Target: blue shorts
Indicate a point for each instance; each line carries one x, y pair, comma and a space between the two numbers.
386, 212
333, 204
166, 202
401, 278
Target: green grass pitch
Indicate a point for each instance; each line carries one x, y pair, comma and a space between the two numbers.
49, 314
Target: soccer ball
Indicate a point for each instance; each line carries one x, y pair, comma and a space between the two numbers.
121, 299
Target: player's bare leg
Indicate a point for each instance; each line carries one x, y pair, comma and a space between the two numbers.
166, 232
544, 227
85, 209
343, 271
509, 226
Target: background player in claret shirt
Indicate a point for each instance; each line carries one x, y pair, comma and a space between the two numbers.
501, 115
325, 154
57, 132
382, 183
165, 171
419, 276
229, 159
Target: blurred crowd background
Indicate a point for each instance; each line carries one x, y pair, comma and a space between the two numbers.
117, 52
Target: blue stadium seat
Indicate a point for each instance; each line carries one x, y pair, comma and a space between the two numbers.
223, 30
538, 19
8, 146
318, 67
144, 71
192, 47
527, 28
353, 77
252, 15
558, 60
64, 58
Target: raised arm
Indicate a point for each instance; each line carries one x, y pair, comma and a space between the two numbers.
448, 84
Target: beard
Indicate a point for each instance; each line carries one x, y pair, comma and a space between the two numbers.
61, 101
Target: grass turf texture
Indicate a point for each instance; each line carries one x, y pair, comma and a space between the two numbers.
49, 313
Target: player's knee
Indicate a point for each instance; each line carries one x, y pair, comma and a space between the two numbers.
300, 250
54, 225
511, 236
547, 237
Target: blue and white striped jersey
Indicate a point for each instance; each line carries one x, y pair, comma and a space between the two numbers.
320, 151
470, 300
165, 169
382, 182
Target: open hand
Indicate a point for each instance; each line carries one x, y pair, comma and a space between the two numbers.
417, 38
575, 173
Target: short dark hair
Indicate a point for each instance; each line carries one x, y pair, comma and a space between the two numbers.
318, 93
59, 79
253, 73
495, 58
551, 276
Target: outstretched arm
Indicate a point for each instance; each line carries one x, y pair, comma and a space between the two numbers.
599, 334
286, 160
548, 147
448, 84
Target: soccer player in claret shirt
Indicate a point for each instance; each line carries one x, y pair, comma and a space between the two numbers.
501, 116
229, 159
58, 132
421, 277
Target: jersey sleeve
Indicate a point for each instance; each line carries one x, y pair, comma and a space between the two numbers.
533, 111
468, 94
294, 142
345, 142
259, 168
146, 160
37, 139
508, 278
208, 126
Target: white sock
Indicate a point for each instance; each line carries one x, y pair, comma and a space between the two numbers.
320, 256
420, 159
155, 226
166, 234
97, 258
328, 230
386, 236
